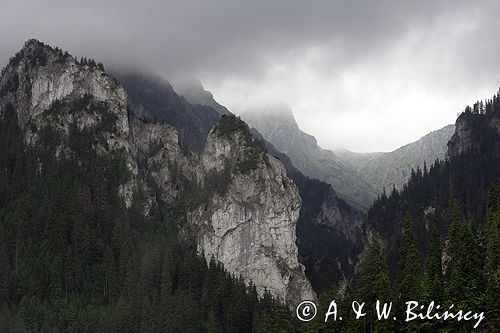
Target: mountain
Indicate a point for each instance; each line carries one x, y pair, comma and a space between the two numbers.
278, 126
385, 170
105, 203
330, 233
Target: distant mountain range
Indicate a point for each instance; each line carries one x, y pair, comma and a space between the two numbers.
357, 177
385, 170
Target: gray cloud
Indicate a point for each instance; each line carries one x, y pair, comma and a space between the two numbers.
343, 62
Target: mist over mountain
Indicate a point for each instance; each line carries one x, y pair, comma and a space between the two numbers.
130, 204
385, 170
193, 91
134, 196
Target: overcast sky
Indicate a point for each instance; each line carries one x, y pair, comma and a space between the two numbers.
366, 75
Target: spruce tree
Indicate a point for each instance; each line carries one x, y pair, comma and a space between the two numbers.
373, 284
409, 270
463, 272
432, 278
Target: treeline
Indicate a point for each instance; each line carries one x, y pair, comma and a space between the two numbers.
74, 258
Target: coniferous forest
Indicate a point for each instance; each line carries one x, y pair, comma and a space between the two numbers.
75, 257
438, 239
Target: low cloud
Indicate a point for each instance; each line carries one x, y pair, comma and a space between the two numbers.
367, 75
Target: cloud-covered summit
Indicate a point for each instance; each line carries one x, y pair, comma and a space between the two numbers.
351, 70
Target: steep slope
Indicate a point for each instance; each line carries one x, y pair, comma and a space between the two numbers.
194, 92
51, 89
250, 225
78, 107
385, 170
465, 177
152, 97
278, 126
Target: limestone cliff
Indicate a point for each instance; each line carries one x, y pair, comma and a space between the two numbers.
250, 225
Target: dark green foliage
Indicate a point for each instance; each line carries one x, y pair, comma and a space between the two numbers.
91, 63
254, 149
372, 284
432, 278
455, 200
230, 124
217, 181
76, 259
492, 266
409, 272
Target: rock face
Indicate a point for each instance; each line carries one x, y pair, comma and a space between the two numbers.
250, 226
49, 88
330, 233
278, 126
194, 92
243, 207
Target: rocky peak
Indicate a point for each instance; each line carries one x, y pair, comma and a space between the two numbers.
38, 75
49, 88
277, 125
279, 116
231, 139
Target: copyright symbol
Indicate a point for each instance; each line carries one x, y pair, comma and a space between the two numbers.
306, 311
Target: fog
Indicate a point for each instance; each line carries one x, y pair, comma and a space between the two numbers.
365, 75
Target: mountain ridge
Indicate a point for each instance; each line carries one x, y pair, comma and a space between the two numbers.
388, 169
